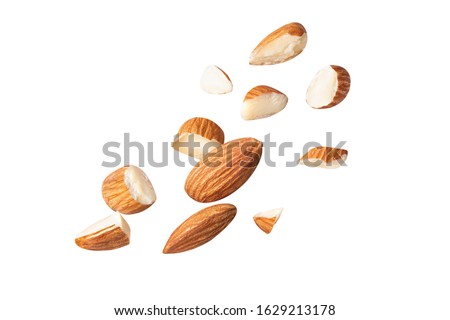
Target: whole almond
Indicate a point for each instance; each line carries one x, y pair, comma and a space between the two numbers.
224, 171
200, 228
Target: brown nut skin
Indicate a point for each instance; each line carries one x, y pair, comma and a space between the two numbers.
117, 195
325, 157
257, 57
111, 239
343, 88
224, 171
203, 127
200, 228
110, 233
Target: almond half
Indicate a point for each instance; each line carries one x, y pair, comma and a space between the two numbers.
262, 102
281, 45
215, 80
200, 228
324, 157
110, 233
267, 219
222, 172
198, 136
328, 88
128, 190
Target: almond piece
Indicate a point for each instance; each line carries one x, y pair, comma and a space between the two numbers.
324, 157
281, 45
224, 171
109, 233
267, 219
262, 102
198, 136
128, 190
215, 80
328, 88
200, 228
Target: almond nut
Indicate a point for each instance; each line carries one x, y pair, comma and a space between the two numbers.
215, 80
262, 102
328, 88
110, 233
324, 157
281, 45
200, 228
267, 219
128, 190
224, 171
198, 136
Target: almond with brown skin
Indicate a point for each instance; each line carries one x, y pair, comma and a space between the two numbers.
224, 171
197, 136
324, 157
281, 45
262, 102
267, 219
328, 88
110, 233
200, 228
128, 190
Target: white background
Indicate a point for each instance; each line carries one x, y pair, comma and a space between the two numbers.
371, 238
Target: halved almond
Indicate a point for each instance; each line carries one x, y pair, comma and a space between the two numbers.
128, 190
109, 233
215, 80
267, 219
262, 102
198, 136
324, 157
281, 45
328, 88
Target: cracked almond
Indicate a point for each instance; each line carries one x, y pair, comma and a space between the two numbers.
128, 190
328, 88
324, 157
267, 219
198, 136
110, 233
281, 45
215, 80
262, 102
